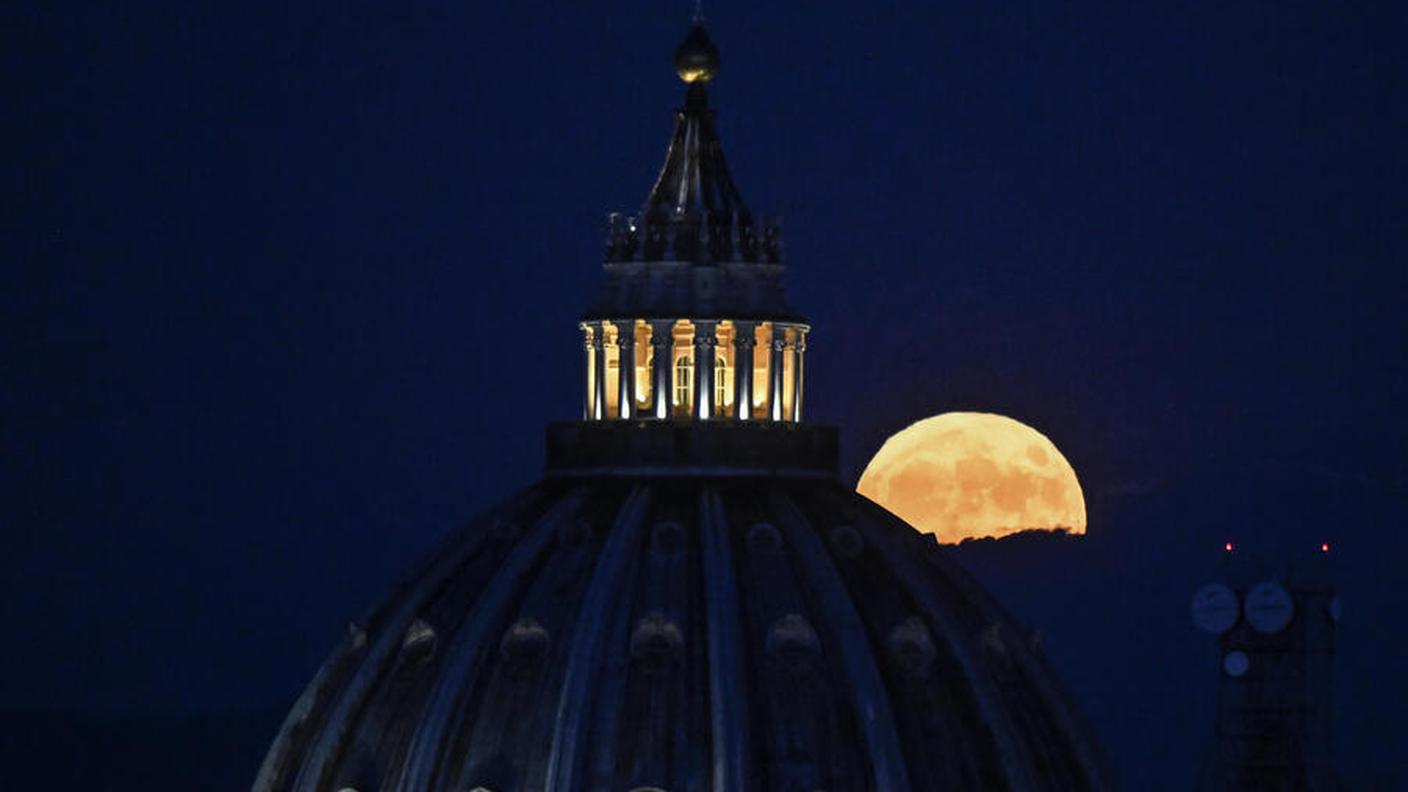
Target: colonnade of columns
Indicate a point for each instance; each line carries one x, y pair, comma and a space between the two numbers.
659, 369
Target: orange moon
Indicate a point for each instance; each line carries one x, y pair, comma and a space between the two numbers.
964, 475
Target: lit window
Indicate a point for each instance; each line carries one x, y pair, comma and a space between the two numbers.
644, 385
611, 354
723, 383
684, 378
762, 369
789, 373
644, 355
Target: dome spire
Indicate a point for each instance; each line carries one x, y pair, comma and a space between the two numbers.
694, 212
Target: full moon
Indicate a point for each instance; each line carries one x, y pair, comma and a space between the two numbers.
967, 475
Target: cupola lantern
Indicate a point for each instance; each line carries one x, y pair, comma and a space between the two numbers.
692, 324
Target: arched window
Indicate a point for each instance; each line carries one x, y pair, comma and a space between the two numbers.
645, 364
762, 369
684, 379
611, 369
723, 384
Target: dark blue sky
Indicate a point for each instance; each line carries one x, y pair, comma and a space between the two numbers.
288, 292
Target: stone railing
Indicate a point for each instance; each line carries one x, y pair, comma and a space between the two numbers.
694, 236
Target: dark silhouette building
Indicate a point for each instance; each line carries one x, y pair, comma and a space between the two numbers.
690, 598
1276, 641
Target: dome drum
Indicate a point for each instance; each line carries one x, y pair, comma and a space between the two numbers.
719, 448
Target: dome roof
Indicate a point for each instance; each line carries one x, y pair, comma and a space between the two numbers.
729, 632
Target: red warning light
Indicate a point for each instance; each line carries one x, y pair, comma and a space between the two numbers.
1324, 547
1227, 547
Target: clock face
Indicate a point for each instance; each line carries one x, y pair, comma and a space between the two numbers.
1236, 663
1269, 608
1215, 608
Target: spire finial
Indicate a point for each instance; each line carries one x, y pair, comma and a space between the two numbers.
697, 59
698, 12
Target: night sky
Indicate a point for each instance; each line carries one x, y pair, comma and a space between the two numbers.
288, 292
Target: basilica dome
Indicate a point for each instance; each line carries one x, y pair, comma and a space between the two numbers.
689, 598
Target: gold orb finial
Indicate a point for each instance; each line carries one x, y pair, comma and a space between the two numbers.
697, 59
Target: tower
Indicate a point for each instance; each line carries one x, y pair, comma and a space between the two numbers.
1275, 640
689, 598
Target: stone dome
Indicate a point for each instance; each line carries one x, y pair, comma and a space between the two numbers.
689, 599
724, 630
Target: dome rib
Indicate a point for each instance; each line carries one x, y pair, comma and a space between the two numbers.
275, 767
461, 659
1052, 709
1053, 702
904, 564
614, 571
871, 703
390, 622
326, 753
725, 634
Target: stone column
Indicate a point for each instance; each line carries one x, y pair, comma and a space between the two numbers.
599, 373
586, 369
662, 342
626, 368
779, 343
798, 349
743, 339
704, 344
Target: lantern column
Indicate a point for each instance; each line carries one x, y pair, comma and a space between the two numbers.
798, 348
590, 384
626, 368
598, 372
779, 342
661, 342
743, 339
704, 343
